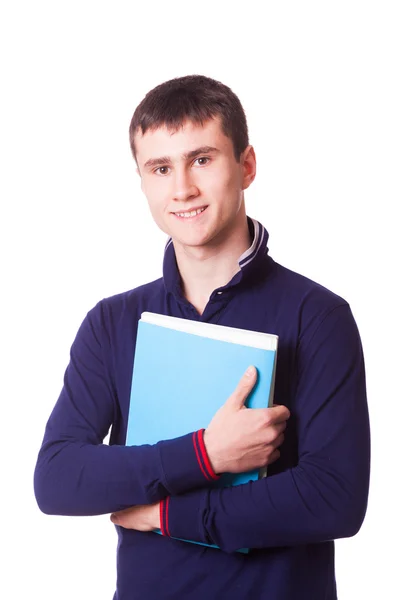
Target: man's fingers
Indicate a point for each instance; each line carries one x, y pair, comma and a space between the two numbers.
277, 413
272, 416
244, 387
279, 441
274, 456
279, 427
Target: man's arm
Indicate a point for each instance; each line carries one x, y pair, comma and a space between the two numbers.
76, 474
325, 496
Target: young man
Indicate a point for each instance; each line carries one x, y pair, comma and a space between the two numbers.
189, 139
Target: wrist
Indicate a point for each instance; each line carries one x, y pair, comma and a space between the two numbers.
215, 464
156, 516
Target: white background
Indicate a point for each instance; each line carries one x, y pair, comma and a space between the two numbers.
320, 84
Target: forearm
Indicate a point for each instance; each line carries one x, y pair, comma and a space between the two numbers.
76, 474
80, 478
299, 506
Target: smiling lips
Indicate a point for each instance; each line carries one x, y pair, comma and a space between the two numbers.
191, 213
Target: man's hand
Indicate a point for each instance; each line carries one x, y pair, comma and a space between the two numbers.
240, 439
141, 518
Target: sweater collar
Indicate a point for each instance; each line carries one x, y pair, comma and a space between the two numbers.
248, 262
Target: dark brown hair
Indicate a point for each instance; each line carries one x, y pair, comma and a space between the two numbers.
196, 98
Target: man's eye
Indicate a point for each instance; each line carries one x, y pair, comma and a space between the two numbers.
202, 160
162, 170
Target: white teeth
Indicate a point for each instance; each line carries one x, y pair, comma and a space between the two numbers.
193, 213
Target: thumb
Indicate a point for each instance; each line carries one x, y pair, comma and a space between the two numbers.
243, 389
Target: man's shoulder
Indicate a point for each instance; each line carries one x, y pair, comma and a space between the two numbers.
302, 297
301, 285
142, 292
133, 302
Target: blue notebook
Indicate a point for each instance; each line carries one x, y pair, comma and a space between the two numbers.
185, 370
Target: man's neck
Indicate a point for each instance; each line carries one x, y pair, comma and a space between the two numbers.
204, 270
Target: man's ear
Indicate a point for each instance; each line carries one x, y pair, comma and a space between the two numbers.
249, 163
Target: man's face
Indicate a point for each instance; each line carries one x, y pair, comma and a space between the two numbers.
192, 182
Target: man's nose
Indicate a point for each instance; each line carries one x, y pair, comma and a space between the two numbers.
184, 186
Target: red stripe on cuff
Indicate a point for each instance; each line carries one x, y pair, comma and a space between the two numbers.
204, 454
162, 517
198, 456
166, 516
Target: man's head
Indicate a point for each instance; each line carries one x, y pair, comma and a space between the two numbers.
194, 98
190, 142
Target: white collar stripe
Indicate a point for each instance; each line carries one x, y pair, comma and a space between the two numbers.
255, 247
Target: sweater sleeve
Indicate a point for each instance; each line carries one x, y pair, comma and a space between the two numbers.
325, 495
77, 474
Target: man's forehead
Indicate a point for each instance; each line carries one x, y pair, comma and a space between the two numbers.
188, 125
181, 139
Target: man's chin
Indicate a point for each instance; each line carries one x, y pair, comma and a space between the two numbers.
190, 242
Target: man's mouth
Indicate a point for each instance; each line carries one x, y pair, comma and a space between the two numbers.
189, 214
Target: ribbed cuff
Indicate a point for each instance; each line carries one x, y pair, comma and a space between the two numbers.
202, 456
187, 518
185, 463
182, 516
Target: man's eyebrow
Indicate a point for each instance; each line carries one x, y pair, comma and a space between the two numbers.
153, 162
201, 150
166, 160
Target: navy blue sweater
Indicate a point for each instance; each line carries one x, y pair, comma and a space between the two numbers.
317, 491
